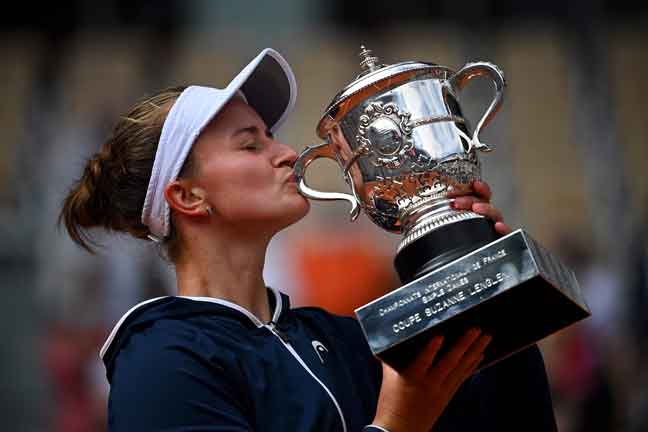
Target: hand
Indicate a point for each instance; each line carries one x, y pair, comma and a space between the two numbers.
413, 399
480, 203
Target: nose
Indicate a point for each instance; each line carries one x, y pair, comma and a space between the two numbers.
286, 155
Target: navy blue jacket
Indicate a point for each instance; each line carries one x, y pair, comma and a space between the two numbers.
182, 364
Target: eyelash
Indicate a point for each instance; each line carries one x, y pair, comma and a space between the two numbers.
255, 145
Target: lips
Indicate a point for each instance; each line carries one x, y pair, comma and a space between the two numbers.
291, 178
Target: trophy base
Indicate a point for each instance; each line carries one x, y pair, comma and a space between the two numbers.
445, 244
511, 288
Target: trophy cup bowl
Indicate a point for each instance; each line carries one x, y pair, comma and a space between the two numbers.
401, 140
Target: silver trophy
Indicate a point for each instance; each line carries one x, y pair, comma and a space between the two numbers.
402, 142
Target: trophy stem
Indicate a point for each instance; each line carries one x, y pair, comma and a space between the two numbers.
443, 245
430, 214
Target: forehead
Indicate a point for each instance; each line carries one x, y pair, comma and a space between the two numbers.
236, 114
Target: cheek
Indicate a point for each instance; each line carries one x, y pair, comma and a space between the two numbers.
241, 190
244, 188
257, 204
269, 203
237, 174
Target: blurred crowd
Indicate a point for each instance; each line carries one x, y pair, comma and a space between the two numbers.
568, 167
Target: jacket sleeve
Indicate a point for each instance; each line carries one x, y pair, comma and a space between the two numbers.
164, 384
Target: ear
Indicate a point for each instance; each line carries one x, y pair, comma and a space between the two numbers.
186, 199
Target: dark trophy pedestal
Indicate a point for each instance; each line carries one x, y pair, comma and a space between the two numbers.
443, 246
510, 287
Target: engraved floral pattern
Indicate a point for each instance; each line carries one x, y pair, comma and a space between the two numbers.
409, 189
386, 133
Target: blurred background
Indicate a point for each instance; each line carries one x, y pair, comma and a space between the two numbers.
570, 167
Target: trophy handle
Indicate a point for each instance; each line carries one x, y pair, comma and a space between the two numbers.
471, 70
305, 158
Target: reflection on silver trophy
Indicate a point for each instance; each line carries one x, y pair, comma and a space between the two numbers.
402, 142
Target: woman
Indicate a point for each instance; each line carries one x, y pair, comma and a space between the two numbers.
199, 171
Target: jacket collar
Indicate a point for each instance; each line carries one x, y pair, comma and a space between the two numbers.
276, 304
279, 303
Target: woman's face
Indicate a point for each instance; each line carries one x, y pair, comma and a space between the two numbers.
246, 173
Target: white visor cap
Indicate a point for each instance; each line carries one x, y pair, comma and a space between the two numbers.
268, 85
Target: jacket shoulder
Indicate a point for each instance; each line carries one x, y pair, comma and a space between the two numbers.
161, 327
343, 326
166, 378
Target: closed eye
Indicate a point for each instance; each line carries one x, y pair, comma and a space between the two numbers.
254, 130
252, 146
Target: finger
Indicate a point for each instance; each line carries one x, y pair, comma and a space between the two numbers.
425, 358
474, 352
458, 190
452, 358
487, 210
469, 363
502, 228
388, 371
464, 202
482, 190
458, 377
479, 346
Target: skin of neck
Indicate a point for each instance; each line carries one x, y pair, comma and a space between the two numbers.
227, 264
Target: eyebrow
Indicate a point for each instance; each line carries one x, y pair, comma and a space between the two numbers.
248, 129
251, 129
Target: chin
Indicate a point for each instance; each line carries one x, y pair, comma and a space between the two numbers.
299, 213
294, 214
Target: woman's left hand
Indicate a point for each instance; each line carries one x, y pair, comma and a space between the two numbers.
479, 203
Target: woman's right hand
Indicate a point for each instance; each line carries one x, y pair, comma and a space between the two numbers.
413, 399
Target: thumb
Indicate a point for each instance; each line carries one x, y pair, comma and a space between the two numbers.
425, 358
